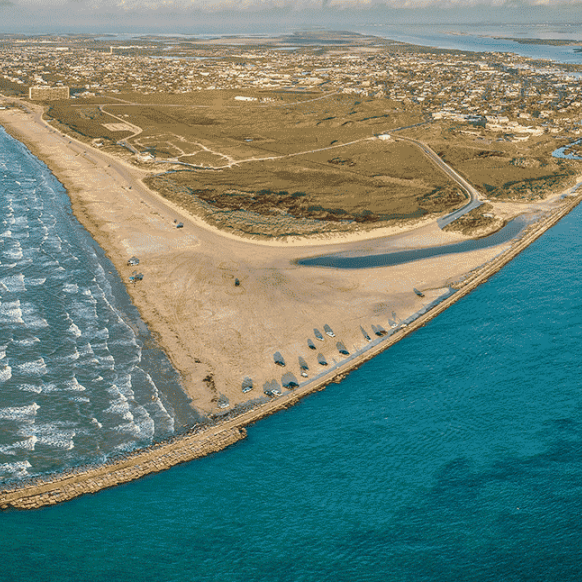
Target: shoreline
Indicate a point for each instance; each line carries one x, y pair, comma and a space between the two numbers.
59, 487
88, 206
198, 261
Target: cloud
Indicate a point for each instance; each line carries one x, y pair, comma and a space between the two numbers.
161, 6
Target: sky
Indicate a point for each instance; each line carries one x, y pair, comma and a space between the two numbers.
243, 16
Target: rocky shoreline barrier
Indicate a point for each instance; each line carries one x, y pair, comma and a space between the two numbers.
59, 487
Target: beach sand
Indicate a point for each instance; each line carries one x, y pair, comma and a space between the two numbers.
215, 332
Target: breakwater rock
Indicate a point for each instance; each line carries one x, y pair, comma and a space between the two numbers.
60, 487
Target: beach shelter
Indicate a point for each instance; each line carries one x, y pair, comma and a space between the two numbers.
342, 349
328, 330
247, 385
289, 381
365, 333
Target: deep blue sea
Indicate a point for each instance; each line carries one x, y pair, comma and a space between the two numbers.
454, 456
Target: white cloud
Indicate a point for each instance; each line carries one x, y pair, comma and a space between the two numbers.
161, 6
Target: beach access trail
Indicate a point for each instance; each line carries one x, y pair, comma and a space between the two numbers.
216, 332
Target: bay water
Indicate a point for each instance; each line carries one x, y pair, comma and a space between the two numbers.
484, 38
454, 455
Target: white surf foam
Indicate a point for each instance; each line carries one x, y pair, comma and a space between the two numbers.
102, 333
31, 317
80, 399
35, 322
30, 388
10, 312
85, 310
128, 428
96, 423
14, 254
70, 288
35, 282
25, 445
107, 362
120, 407
21, 222
3, 352
54, 436
26, 343
72, 357
5, 373
6, 234
73, 329
14, 283
19, 412
86, 350
18, 469
34, 368
73, 385
64, 386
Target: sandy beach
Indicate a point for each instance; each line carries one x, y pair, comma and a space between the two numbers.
216, 332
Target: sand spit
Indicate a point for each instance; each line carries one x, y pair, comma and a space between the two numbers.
217, 332
57, 488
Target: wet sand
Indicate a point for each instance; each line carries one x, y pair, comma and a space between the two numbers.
215, 332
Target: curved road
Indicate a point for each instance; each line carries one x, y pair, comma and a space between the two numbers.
474, 195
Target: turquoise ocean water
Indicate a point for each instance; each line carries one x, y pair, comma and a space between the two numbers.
455, 455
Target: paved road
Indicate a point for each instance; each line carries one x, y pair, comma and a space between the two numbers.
474, 195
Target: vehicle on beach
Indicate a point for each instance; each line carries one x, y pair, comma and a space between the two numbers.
310, 344
180, 225
289, 381
317, 334
223, 402
342, 349
365, 334
419, 293
279, 360
247, 385
321, 360
328, 330
379, 330
133, 261
271, 388
135, 277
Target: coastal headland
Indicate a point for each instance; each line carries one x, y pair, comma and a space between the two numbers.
222, 220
